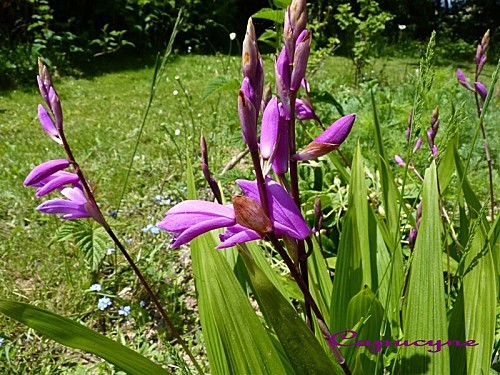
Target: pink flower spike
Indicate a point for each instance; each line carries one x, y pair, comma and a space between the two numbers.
48, 124
329, 140
463, 81
481, 90
269, 130
44, 170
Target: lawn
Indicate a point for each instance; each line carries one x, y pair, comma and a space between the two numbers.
103, 113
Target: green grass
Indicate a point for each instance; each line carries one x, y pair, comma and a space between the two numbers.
102, 115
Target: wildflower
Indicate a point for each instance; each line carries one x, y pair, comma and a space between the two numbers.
48, 124
151, 228
75, 207
329, 140
110, 251
232, 36
1, 341
269, 131
399, 160
248, 115
192, 218
103, 303
300, 57
124, 311
401, 27
44, 170
95, 288
175, 93
303, 110
463, 81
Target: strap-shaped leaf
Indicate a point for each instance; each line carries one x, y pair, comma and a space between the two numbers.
77, 336
425, 312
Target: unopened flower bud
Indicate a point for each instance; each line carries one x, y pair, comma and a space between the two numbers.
281, 156
481, 90
266, 96
250, 214
300, 58
250, 51
463, 81
248, 121
318, 213
298, 17
283, 75
269, 131
329, 140
304, 110
399, 160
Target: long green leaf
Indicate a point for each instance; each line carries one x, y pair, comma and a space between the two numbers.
270, 14
77, 336
479, 289
424, 311
303, 350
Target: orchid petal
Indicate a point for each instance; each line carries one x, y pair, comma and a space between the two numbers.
481, 90
269, 130
56, 181
198, 229
48, 124
44, 170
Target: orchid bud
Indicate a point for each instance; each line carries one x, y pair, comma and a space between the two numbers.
282, 154
399, 161
44, 81
250, 214
302, 50
55, 106
282, 67
481, 90
248, 120
250, 52
410, 122
269, 130
479, 53
318, 213
298, 17
206, 170
412, 238
329, 140
463, 81
418, 143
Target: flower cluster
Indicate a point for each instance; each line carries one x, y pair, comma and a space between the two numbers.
265, 206
481, 56
51, 175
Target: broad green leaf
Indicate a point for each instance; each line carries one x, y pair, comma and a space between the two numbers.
220, 84
424, 310
77, 336
446, 166
274, 15
282, 4
479, 292
235, 339
469, 195
303, 350
320, 280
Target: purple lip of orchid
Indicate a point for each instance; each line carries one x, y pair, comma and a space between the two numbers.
45, 170
329, 140
56, 181
189, 219
72, 208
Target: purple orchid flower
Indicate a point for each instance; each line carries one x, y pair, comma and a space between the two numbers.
191, 218
300, 57
72, 208
56, 181
329, 140
399, 160
282, 154
45, 170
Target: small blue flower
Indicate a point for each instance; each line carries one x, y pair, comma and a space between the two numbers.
95, 288
151, 229
124, 310
103, 303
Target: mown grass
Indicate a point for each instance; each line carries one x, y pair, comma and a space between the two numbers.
102, 118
